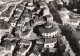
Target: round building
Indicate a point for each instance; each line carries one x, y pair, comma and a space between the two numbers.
48, 30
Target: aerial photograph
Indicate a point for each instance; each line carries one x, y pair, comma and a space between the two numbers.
39, 27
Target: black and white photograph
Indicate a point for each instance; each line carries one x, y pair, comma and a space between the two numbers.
39, 27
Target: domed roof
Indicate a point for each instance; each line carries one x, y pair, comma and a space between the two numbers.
47, 27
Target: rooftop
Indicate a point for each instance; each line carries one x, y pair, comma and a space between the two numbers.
40, 40
8, 11
51, 40
3, 7
2, 53
25, 41
4, 25
16, 13
63, 39
76, 34
21, 50
42, 4
20, 6
33, 37
10, 0
47, 28
26, 32
1, 48
31, 7
10, 41
73, 20
13, 21
48, 16
59, 41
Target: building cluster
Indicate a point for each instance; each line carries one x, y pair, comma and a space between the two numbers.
13, 26
27, 28
68, 17
16, 23
71, 25
73, 35
51, 41
64, 47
